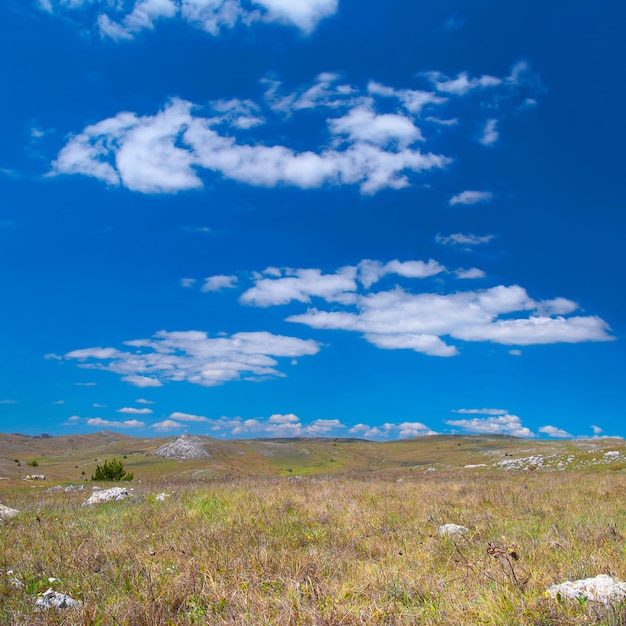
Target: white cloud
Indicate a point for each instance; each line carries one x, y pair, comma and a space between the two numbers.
167, 425
188, 417
371, 272
553, 431
219, 282
596, 430
490, 133
6, 401
194, 357
363, 124
481, 411
134, 411
471, 197
124, 20
144, 401
402, 430
187, 282
398, 319
289, 418
96, 421
471, 273
462, 84
412, 100
497, 425
301, 285
162, 153
461, 239
58, 402
515, 352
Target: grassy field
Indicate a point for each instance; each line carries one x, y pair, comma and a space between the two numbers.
319, 545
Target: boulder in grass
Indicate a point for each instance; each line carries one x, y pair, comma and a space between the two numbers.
6, 512
602, 588
53, 599
107, 495
452, 530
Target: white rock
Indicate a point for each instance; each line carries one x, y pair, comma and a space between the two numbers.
6, 512
472, 466
452, 530
115, 493
35, 477
161, 497
602, 588
52, 599
612, 454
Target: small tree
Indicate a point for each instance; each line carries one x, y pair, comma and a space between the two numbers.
111, 470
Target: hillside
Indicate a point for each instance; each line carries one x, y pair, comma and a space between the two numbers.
74, 457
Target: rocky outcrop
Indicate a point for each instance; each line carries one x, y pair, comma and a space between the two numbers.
6, 512
602, 589
108, 495
185, 447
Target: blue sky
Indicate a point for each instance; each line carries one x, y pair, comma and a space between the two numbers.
250, 218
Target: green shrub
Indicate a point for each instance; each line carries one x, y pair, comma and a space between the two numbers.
33, 463
111, 470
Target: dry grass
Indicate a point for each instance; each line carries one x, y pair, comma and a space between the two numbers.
323, 551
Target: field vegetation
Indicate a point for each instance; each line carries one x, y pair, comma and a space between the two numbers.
326, 549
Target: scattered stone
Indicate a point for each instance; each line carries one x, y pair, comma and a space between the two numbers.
6, 512
183, 447
35, 477
602, 588
161, 497
475, 465
452, 530
53, 599
115, 493
612, 454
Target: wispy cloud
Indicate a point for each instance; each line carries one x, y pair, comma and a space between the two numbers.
134, 411
466, 240
471, 273
195, 357
217, 283
188, 417
490, 133
125, 20
470, 197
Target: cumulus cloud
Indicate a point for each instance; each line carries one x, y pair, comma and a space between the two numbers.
403, 430
553, 431
277, 425
301, 285
217, 283
194, 357
470, 197
361, 142
163, 153
507, 315
134, 411
124, 20
497, 425
96, 421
